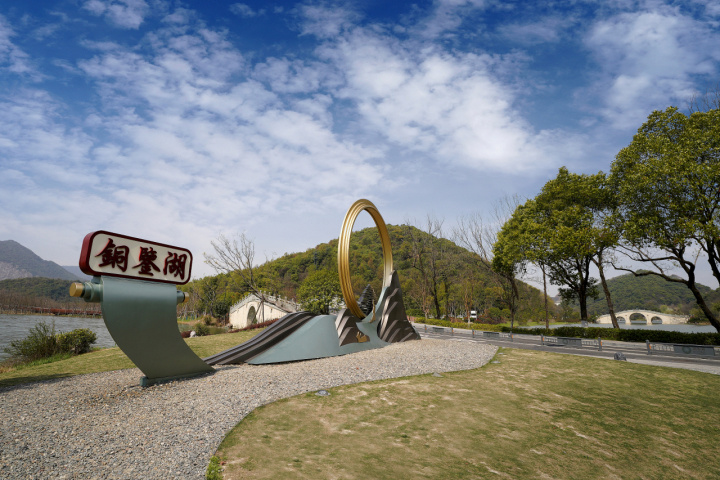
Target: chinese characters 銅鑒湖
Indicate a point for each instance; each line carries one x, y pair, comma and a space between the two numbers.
115, 256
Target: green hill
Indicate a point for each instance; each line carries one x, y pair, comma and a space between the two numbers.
650, 293
458, 279
17, 261
46, 288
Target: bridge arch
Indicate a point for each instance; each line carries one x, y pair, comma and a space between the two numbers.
252, 309
641, 316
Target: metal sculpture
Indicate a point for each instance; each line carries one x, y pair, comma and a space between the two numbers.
302, 336
135, 283
138, 296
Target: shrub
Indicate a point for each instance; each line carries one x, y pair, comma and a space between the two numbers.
625, 335
78, 341
472, 326
43, 342
201, 330
264, 324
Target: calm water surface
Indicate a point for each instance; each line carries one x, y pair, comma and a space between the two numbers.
17, 327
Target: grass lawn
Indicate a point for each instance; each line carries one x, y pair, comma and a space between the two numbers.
107, 359
534, 415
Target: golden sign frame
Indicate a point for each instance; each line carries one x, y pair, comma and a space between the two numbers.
344, 251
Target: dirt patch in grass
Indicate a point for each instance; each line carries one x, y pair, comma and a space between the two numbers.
108, 359
534, 415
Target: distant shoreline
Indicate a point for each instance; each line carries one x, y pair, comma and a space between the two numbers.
49, 314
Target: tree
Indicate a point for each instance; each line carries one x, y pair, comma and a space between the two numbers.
582, 236
480, 238
562, 230
236, 257
428, 253
668, 186
320, 292
709, 101
208, 292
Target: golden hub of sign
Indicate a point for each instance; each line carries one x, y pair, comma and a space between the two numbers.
344, 252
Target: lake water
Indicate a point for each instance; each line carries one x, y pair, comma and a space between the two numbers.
685, 328
17, 327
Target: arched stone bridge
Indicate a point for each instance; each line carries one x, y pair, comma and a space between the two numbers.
645, 317
252, 309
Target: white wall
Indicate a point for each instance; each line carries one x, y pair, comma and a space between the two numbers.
239, 318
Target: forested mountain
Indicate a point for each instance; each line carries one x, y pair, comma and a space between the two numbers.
38, 292
650, 293
459, 283
45, 288
17, 261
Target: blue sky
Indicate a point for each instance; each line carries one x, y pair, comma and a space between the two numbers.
180, 121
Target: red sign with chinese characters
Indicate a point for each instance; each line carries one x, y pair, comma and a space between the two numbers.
106, 253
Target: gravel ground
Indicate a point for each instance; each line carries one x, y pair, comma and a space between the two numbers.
104, 425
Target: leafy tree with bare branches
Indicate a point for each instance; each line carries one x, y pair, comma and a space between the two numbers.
668, 184
563, 230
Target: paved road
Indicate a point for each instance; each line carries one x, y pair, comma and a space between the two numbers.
634, 352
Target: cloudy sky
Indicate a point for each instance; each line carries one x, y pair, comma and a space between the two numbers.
180, 121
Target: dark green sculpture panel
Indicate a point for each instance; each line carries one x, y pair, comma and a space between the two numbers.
141, 318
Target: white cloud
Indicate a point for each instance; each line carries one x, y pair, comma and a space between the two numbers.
12, 58
122, 13
189, 131
244, 10
324, 22
180, 16
712, 8
546, 30
33, 129
650, 58
193, 136
292, 76
445, 105
446, 16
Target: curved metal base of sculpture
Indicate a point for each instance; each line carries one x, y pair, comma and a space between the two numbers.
141, 318
302, 336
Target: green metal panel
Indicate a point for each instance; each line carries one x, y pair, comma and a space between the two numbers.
318, 338
141, 317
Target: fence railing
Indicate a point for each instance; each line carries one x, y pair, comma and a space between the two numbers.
571, 342
473, 333
682, 349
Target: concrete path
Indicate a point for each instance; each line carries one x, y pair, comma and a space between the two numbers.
634, 352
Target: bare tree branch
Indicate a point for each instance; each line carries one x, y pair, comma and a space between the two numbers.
236, 255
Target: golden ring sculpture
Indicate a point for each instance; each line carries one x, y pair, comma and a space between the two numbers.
344, 251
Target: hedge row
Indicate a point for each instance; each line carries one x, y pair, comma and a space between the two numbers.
629, 335
623, 335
